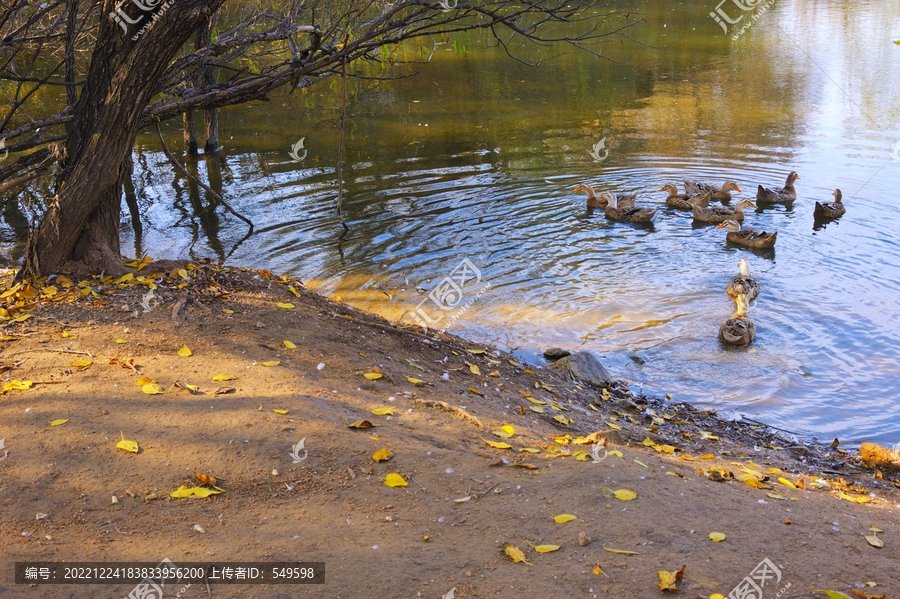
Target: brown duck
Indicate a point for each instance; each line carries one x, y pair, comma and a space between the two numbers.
624, 200
718, 193
832, 209
738, 330
719, 214
747, 237
628, 214
743, 283
685, 201
779, 196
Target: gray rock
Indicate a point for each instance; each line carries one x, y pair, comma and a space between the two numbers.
555, 353
586, 368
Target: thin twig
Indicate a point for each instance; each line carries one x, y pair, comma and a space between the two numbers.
208, 189
340, 165
62, 351
418, 483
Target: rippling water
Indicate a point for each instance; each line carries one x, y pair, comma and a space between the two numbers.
476, 159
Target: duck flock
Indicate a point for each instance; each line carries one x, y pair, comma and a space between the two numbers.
738, 330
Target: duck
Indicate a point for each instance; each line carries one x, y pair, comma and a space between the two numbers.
685, 201
719, 214
628, 214
779, 196
738, 330
747, 237
743, 283
719, 193
625, 200
832, 209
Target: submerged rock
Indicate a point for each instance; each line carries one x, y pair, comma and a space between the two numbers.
555, 353
586, 368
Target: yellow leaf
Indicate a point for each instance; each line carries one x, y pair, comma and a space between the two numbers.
502, 434
183, 491
152, 389
383, 411
537, 409
583, 457
616, 453
144, 381
833, 594
59, 422
361, 424
874, 541
476, 351
182, 273
13, 337
508, 429
668, 580
785, 481
668, 449
563, 518
530, 449
394, 480
753, 482
846, 497
545, 548
562, 419
474, 369
529, 371
514, 553
497, 445
81, 363
476, 391
373, 375
120, 341
718, 537
717, 596
620, 551
382, 455
282, 412
64, 281
185, 351
614, 426
294, 291
640, 463
227, 311
130, 446
289, 345
223, 377
271, 363
285, 305
413, 381
536, 401
17, 385
598, 572
708, 456
625, 494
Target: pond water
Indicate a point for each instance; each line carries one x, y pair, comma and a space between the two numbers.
476, 158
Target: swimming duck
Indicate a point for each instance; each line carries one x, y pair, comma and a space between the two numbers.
743, 283
832, 209
719, 193
738, 330
627, 214
779, 196
748, 237
719, 214
685, 201
625, 200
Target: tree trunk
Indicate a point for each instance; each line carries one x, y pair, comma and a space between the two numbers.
190, 134
211, 115
82, 223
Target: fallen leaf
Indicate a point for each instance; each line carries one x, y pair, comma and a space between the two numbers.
563, 518
874, 541
394, 480
413, 381
545, 548
413, 364
384, 411
81, 363
708, 456
227, 311
129, 446
620, 551
785, 481
625, 494
271, 363
529, 449
537, 409
515, 554
285, 305
614, 426
373, 375
183, 491
717, 536
497, 445
205, 479
833, 594
185, 351
59, 422
598, 571
224, 390
382, 455
361, 424
17, 385
463, 499
476, 351
474, 369
280, 411
476, 391
668, 580
224, 377
525, 465
640, 463
616, 453
152, 389
846, 497
144, 381
289, 345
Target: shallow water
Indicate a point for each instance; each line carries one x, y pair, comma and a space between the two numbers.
476, 159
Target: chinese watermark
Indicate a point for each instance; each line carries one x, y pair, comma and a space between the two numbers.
448, 4
600, 145
450, 595
3, 147
5, 451
149, 589
295, 454
752, 585
295, 151
149, 302
448, 295
721, 17
895, 153
120, 17
595, 452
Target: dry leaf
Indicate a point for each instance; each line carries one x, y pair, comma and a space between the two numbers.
271, 363
530, 449
144, 381
183, 491
640, 463
833, 594
463, 499
205, 479
598, 571
846, 497
384, 411
17, 385
59, 422
474, 369
785, 481
515, 554
373, 375
614, 426
282, 412
668, 580
185, 351
361, 424
496, 445
81, 363
563, 518
285, 305
717, 536
537, 409
476, 351
874, 541
382, 455
152, 389
625, 494
394, 480
224, 377
289, 345
130, 446
545, 548
620, 551
708, 456
476, 391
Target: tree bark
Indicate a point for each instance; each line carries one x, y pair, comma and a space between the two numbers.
82, 223
211, 115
